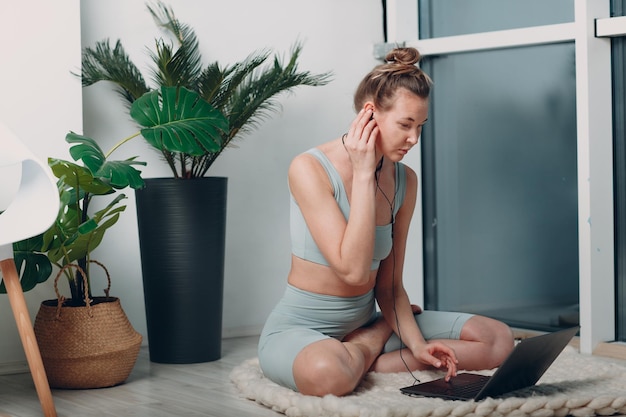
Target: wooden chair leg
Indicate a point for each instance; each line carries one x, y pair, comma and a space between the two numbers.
27, 334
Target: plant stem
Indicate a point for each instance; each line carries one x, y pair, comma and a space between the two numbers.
120, 143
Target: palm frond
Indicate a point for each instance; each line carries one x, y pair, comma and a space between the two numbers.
165, 18
218, 85
182, 66
254, 100
103, 63
211, 83
245, 92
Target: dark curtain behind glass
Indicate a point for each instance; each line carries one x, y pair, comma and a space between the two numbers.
500, 175
461, 17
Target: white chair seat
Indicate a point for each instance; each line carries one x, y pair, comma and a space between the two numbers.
36, 204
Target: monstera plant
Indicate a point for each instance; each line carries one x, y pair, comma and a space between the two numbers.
87, 341
172, 118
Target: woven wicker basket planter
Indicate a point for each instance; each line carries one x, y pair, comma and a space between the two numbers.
92, 346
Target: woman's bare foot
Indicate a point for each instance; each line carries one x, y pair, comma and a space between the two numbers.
376, 334
371, 338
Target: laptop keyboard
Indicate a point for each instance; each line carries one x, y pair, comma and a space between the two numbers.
460, 386
468, 390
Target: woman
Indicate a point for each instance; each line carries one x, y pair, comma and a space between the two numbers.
352, 202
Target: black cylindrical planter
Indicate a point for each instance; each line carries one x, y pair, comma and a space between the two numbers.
182, 229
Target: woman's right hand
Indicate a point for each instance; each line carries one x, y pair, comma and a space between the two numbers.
438, 355
360, 141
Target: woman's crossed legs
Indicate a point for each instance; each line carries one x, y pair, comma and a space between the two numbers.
336, 367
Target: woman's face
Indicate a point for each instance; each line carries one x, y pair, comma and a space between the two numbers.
401, 125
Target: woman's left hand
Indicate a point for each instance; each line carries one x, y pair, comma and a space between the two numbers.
438, 355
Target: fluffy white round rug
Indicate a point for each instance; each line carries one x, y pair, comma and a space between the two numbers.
575, 384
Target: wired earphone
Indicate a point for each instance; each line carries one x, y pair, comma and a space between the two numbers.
391, 203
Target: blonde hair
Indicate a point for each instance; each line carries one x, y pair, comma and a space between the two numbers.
399, 71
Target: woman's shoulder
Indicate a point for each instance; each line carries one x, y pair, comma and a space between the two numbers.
306, 166
411, 176
409, 183
315, 157
316, 166
305, 160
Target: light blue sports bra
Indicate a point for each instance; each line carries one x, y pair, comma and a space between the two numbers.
302, 243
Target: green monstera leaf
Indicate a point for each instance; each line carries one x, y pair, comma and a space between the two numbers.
68, 240
176, 119
78, 178
119, 174
34, 266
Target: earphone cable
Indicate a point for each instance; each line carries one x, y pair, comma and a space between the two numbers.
393, 269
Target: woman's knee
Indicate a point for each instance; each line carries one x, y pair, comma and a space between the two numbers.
322, 369
494, 334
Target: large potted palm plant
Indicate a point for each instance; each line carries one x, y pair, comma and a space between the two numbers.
181, 219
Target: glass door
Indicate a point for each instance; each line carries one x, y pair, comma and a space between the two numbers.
517, 160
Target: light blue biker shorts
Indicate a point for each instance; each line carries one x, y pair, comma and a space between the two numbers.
301, 318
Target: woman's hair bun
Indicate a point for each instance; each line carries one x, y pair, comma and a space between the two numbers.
403, 56
399, 71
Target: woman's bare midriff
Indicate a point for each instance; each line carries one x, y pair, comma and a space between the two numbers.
320, 279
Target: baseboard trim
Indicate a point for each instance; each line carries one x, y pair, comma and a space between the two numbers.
613, 350
243, 331
12, 368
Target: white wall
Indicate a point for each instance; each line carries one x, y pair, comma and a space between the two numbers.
338, 35
41, 102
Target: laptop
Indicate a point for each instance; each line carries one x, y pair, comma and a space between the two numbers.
522, 368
